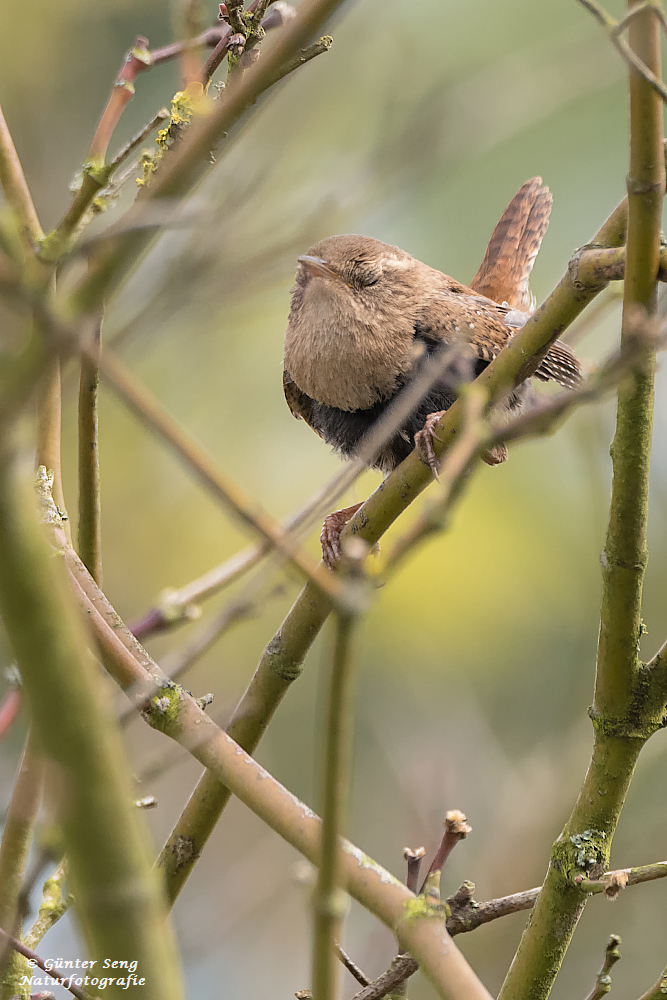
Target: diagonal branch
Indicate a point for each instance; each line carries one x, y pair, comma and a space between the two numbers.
614, 29
15, 186
176, 713
147, 409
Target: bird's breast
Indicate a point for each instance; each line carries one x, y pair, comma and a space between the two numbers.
342, 353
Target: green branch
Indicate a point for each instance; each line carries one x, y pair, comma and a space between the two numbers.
17, 838
89, 533
152, 415
329, 902
187, 162
15, 187
626, 709
174, 712
119, 904
282, 661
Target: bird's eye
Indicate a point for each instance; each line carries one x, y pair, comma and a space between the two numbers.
365, 274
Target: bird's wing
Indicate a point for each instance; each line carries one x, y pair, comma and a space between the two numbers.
301, 405
456, 312
503, 274
487, 326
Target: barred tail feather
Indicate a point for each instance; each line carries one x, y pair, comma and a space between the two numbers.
503, 274
560, 365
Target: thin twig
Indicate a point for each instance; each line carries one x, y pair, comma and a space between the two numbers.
15, 187
456, 829
136, 140
189, 160
178, 715
40, 963
603, 979
614, 28
328, 897
144, 406
55, 904
16, 844
467, 915
90, 532
351, 966
176, 606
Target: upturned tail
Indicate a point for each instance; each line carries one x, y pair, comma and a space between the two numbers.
503, 274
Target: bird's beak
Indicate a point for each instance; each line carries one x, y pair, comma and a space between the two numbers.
317, 267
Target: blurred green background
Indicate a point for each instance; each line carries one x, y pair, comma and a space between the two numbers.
476, 664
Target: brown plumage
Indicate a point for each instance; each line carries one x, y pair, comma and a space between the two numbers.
364, 316
503, 274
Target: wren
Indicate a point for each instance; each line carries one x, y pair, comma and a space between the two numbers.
365, 316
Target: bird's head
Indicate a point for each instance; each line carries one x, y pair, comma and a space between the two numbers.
366, 268
350, 334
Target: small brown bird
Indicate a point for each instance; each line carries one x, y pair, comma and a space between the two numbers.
365, 315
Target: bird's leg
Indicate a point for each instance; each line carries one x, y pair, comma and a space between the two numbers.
424, 441
330, 534
424, 445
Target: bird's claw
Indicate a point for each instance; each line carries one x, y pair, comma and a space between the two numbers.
424, 441
331, 531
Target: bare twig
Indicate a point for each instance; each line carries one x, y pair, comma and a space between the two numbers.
90, 534
414, 860
603, 980
176, 713
351, 966
614, 29
176, 606
328, 898
28, 953
17, 837
15, 187
456, 828
158, 119
55, 904
144, 406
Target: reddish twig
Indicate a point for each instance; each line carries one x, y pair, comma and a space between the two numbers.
414, 860
40, 963
137, 59
456, 828
9, 710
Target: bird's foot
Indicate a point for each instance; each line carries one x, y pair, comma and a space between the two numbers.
424, 441
496, 455
330, 534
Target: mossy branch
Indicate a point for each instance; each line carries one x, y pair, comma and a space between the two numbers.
174, 712
624, 713
190, 159
282, 661
119, 903
15, 847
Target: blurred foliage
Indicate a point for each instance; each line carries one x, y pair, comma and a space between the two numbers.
476, 664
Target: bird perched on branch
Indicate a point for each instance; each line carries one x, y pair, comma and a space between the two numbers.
365, 317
